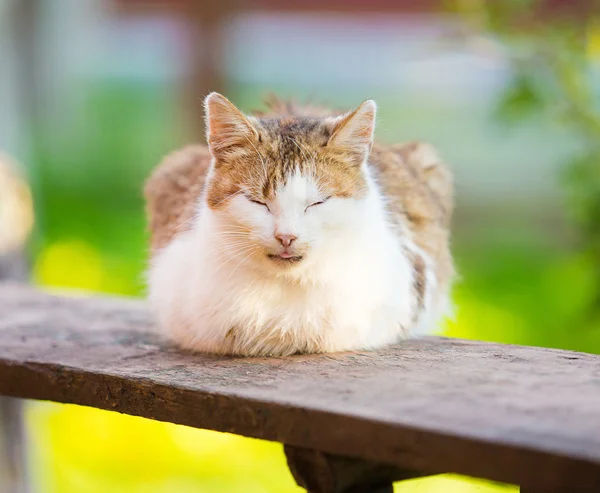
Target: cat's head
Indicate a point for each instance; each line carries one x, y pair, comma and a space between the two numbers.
287, 189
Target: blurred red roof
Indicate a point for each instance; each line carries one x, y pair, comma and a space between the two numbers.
296, 5
543, 9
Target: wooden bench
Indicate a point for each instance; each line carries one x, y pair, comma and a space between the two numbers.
351, 422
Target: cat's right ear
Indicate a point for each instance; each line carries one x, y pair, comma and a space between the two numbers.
353, 132
226, 126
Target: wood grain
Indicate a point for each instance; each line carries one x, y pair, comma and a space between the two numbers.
522, 415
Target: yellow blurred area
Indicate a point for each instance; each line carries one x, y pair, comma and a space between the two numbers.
593, 43
74, 263
468, 322
97, 451
82, 449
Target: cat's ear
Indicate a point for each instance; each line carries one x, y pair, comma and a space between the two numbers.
226, 126
354, 131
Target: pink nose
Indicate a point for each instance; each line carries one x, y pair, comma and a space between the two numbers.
285, 240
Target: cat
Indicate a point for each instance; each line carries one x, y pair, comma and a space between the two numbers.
294, 232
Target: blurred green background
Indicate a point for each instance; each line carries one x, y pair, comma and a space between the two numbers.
94, 92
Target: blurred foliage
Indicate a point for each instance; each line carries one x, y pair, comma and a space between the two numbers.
554, 48
518, 285
96, 451
90, 208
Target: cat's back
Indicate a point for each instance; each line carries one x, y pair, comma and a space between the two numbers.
172, 192
418, 188
417, 184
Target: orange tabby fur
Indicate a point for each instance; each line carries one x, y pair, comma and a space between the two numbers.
415, 181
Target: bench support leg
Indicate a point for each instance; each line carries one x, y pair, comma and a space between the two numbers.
558, 490
319, 472
12, 453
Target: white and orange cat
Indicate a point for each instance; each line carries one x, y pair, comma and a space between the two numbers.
295, 233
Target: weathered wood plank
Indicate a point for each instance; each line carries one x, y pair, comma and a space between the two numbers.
516, 414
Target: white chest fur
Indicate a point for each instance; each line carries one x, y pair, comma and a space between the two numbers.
358, 296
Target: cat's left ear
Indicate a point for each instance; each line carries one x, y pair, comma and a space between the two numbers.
354, 131
226, 126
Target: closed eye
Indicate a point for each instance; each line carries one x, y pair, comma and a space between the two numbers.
317, 203
258, 202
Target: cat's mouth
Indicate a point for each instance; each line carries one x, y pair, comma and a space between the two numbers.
285, 259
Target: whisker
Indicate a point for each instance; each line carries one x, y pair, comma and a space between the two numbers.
179, 226
241, 261
228, 197
238, 253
